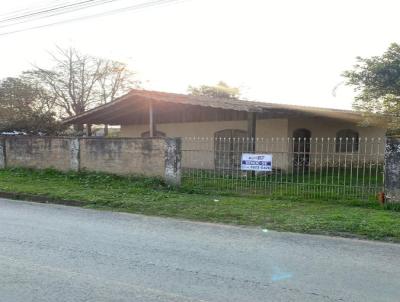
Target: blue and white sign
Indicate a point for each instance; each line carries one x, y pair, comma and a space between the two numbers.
256, 162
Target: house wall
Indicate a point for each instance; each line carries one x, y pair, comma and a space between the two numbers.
273, 136
323, 128
267, 128
198, 142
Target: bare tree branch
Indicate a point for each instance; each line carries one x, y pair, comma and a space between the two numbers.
78, 82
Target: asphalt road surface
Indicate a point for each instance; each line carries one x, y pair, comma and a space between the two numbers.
57, 253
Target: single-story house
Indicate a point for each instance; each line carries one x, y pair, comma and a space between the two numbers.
222, 122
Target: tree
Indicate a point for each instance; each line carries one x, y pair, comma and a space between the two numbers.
377, 81
117, 79
26, 108
78, 82
221, 90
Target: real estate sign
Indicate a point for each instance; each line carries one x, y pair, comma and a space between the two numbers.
256, 162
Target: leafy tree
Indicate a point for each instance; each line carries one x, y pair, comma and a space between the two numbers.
377, 81
26, 108
221, 90
78, 82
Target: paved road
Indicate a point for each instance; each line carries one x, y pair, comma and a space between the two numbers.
56, 253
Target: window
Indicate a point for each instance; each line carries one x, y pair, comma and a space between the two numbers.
157, 134
302, 140
347, 141
301, 148
228, 147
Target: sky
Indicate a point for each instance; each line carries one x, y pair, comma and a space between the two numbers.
285, 51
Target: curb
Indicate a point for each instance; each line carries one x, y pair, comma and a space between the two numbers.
41, 199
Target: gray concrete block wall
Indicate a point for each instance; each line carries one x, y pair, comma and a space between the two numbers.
2, 153
392, 170
38, 152
173, 157
74, 154
158, 157
124, 156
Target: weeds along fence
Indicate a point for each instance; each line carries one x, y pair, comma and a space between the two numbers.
328, 168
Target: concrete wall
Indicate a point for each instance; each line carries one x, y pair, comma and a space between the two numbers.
392, 170
139, 156
40, 153
143, 156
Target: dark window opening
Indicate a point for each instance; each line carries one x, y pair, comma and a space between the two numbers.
347, 141
301, 148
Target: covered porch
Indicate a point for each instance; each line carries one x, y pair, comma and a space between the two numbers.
142, 108
220, 130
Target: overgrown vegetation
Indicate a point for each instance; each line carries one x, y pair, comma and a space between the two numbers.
25, 107
153, 197
377, 82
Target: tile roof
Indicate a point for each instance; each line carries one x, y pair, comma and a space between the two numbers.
230, 104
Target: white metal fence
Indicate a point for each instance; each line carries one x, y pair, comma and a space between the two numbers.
301, 167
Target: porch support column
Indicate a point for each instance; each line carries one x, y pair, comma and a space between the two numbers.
251, 129
89, 129
152, 122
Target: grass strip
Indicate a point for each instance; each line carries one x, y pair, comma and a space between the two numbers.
151, 196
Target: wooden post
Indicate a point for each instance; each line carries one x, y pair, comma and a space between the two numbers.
152, 123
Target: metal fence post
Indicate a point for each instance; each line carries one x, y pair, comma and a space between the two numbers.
392, 169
